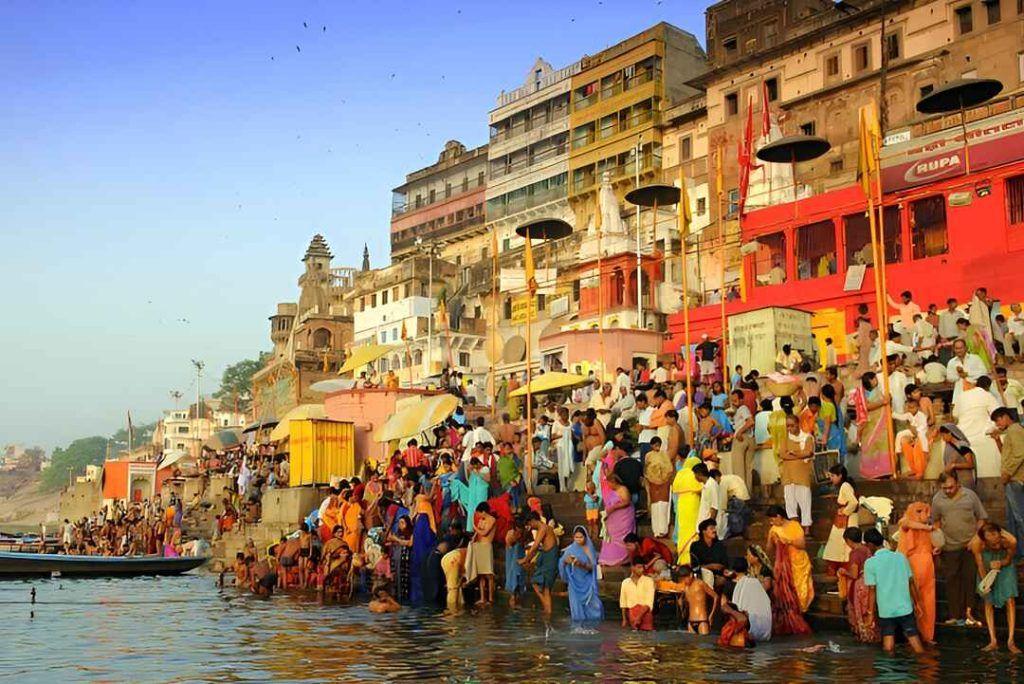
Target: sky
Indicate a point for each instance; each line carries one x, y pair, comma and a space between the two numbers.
163, 167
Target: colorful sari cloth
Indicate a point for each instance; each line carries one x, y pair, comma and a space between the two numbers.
798, 563
352, 522
401, 571
424, 539
617, 524
979, 342
917, 546
858, 600
787, 614
584, 601
469, 494
687, 490
874, 440
515, 574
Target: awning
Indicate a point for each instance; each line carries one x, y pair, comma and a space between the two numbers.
361, 356
224, 440
418, 418
550, 382
172, 457
300, 412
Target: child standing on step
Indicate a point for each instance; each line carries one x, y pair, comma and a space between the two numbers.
592, 502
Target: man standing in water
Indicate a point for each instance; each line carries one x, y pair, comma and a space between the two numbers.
891, 590
545, 550
636, 599
480, 555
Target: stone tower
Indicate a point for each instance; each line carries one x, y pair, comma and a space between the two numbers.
315, 281
366, 258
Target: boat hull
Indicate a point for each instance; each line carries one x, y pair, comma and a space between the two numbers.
15, 565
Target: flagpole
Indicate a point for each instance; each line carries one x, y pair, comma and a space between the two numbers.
600, 284
494, 323
687, 361
868, 151
721, 255
531, 284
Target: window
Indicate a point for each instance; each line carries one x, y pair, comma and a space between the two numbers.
772, 86
732, 104
832, 66
373, 300
384, 297
1020, 63
858, 238
702, 206
322, 338
542, 301
730, 46
928, 227
384, 337
771, 33
685, 148
394, 334
964, 19
480, 178
861, 58
770, 260
576, 290
1015, 200
433, 195
182, 429
835, 166
408, 290
608, 126
993, 12
815, 250
926, 90
394, 294
507, 312
807, 128
447, 189
733, 197
892, 46
464, 359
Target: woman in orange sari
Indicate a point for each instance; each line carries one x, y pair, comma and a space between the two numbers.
793, 589
916, 545
351, 515
329, 519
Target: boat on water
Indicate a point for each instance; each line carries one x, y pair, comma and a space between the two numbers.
15, 565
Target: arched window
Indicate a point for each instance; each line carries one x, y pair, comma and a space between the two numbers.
321, 338
618, 287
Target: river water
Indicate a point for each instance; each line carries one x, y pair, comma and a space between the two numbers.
185, 629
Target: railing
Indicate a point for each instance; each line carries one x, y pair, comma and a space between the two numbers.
584, 102
524, 202
579, 141
399, 208
439, 233
625, 169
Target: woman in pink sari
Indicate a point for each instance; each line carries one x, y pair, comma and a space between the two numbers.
873, 416
620, 520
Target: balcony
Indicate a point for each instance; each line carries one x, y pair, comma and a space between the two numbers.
470, 223
579, 141
624, 170
517, 204
402, 205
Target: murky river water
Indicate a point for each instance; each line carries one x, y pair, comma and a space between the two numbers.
186, 630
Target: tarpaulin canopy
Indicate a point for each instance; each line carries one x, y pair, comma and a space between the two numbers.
300, 412
224, 440
549, 382
418, 418
361, 356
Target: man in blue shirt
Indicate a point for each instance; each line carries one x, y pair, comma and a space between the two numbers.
891, 588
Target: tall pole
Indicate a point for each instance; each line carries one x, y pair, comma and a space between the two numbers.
529, 380
681, 213
600, 284
721, 285
430, 318
494, 323
639, 281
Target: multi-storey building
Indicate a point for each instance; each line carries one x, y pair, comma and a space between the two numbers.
442, 204
617, 104
818, 64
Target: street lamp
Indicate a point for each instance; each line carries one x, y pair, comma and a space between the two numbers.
430, 296
543, 229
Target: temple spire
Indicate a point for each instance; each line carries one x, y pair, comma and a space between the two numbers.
366, 257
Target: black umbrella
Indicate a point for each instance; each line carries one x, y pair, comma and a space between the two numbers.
955, 96
545, 229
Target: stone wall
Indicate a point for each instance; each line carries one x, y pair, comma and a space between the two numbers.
290, 505
81, 500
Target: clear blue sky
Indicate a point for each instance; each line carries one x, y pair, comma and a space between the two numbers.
168, 161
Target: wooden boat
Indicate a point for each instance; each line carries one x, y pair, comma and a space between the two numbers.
17, 565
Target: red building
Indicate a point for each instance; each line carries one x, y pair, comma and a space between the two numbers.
947, 232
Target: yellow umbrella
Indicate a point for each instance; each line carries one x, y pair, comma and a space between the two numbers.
361, 356
549, 382
418, 418
300, 412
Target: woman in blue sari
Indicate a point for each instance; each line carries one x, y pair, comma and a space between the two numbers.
578, 568
424, 538
719, 400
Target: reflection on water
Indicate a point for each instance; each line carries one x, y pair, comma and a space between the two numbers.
185, 629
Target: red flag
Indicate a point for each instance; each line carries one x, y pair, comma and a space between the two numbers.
766, 116
746, 156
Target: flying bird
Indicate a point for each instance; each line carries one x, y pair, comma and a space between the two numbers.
305, 25
298, 49
325, 29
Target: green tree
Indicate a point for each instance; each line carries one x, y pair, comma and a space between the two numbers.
237, 380
141, 434
78, 454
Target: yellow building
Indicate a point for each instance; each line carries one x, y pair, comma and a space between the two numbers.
617, 103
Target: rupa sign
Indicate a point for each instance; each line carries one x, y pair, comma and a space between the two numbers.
993, 141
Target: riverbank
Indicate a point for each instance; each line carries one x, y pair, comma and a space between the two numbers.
28, 507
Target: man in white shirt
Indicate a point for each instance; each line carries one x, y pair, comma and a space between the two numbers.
948, 318
636, 599
624, 408
892, 346
621, 379
904, 322
643, 419
924, 337
1014, 340
710, 497
660, 374
479, 434
602, 402
750, 596
1011, 388
898, 382
963, 366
